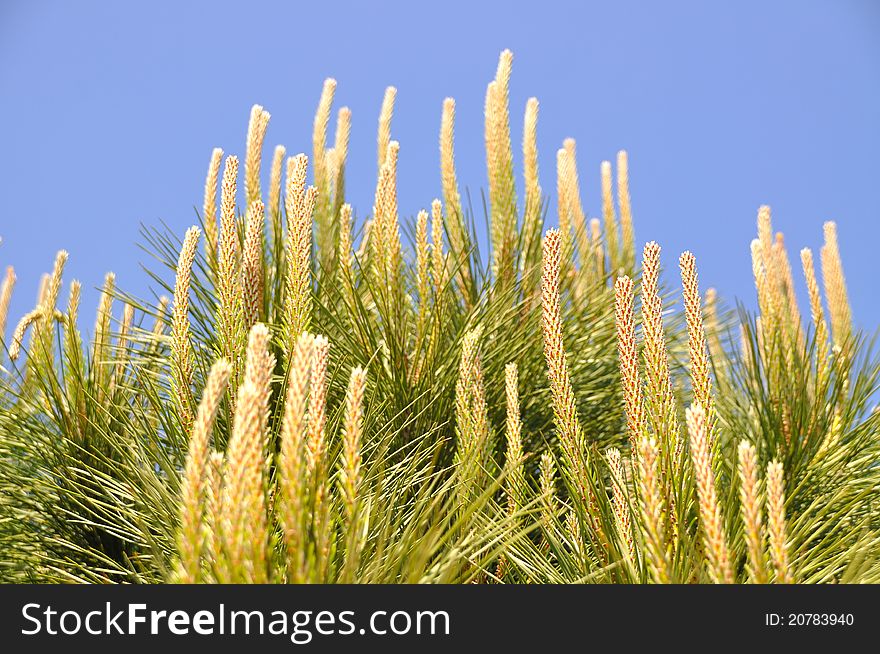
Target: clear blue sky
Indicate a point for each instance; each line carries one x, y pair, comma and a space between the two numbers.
109, 112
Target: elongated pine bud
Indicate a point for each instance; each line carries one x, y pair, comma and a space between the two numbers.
515, 481
259, 121
101, 338
423, 280
547, 479
609, 216
209, 210
471, 415
751, 509
623, 201
291, 465
532, 216
659, 386
620, 499
710, 510
181, 347
20, 330
298, 284
252, 264
245, 535
275, 191
564, 409
228, 281
5, 298
835, 285
817, 314
652, 511
193, 486
319, 133
701, 383
345, 252
578, 218
628, 355
318, 403
438, 258
776, 523
351, 441
385, 115
563, 202
341, 140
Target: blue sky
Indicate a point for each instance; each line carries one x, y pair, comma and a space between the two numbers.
110, 110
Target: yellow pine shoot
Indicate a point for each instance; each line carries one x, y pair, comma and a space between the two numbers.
788, 297
291, 465
340, 158
653, 510
564, 409
771, 305
345, 252
499, 160
609, 217
391, 231
319, 134
627, 233
576, 209
350, 472
711, 520
471, 415
351, 440
209, 208
275, 191
563, 202
835, 285
628, 355
18, 334
817, 315
423, 279
701, 383
343, 135
620, 500
385, 231
532, 216
243, 501
300, 204
181, 347
73, 360
5, 298
776, 528
448, 178
751, 509
451, 197
318, 403
762, 285
547, 482
259, 122
515, 481
193, 485
596, 247
438, 258
101, 338
228, 282
384, 135
123, 340
45, 325
212, 524
252, 264
659, 386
